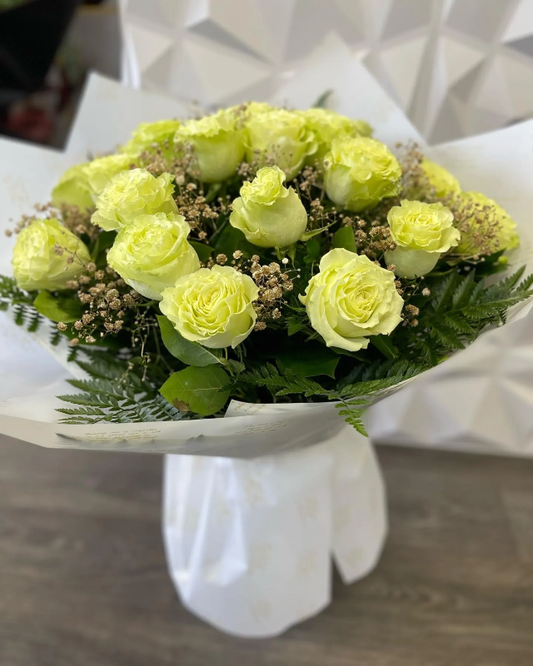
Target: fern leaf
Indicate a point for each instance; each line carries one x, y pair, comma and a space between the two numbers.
446, 335
493, 309
353, 415
459, 324
463, 292
281, 384
444, 292
503, 287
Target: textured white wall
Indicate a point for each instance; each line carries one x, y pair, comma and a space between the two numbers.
457, 67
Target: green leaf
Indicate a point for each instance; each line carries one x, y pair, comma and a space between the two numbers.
233, 366
309, 360
202, 250
190, 353
315, 232
313, 248
294, 326
353, 416
232, 239
344, 238
322, 101
384, 344
204, 390
58, 308
464, 291
104, 242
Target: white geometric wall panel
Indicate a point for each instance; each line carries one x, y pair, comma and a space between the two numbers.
457, 67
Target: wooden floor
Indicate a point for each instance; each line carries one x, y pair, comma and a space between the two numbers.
83, 579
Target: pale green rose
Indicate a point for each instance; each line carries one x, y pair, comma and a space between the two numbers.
47, 255
243, 111
442, 182
328, 125
218, 146
279, 137
421, 233
133, 193
212, 306
485, 226
152, 135
152, 252
268, 214
73, 189
253, 108
360, 172
350, 299
102, 170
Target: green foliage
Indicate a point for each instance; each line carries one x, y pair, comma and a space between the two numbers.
384, 344
295, 325
203, 250
200, 390
189, 353
309, 360
281, 383
21, 304
459, 309
352, 411
345, 238
58, 308
115, 393
232, 239
322, 101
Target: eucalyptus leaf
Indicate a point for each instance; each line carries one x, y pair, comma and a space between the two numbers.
204, 390
64, 309
190, 353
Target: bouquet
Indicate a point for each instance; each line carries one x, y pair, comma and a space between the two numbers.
258, 254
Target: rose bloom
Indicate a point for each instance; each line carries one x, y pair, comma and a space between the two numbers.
73, 189
152, 252
328, 125
350, 299
37, 264
269, 214
485, 226
159, 134
421, 232
133, 193
217, 143
359, 172
102, 170
442, 182
279, 137
212, 306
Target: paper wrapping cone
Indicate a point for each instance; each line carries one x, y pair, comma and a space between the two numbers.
249, 543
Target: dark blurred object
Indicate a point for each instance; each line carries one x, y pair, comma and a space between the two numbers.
30, 34
46, 48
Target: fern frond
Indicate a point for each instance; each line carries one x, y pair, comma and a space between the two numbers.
463, 292
353, 415
444, 291
282, 383
115, 393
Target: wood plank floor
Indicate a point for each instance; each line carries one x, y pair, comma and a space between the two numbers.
83, 579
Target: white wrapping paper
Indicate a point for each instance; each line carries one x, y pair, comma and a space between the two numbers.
249, 543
